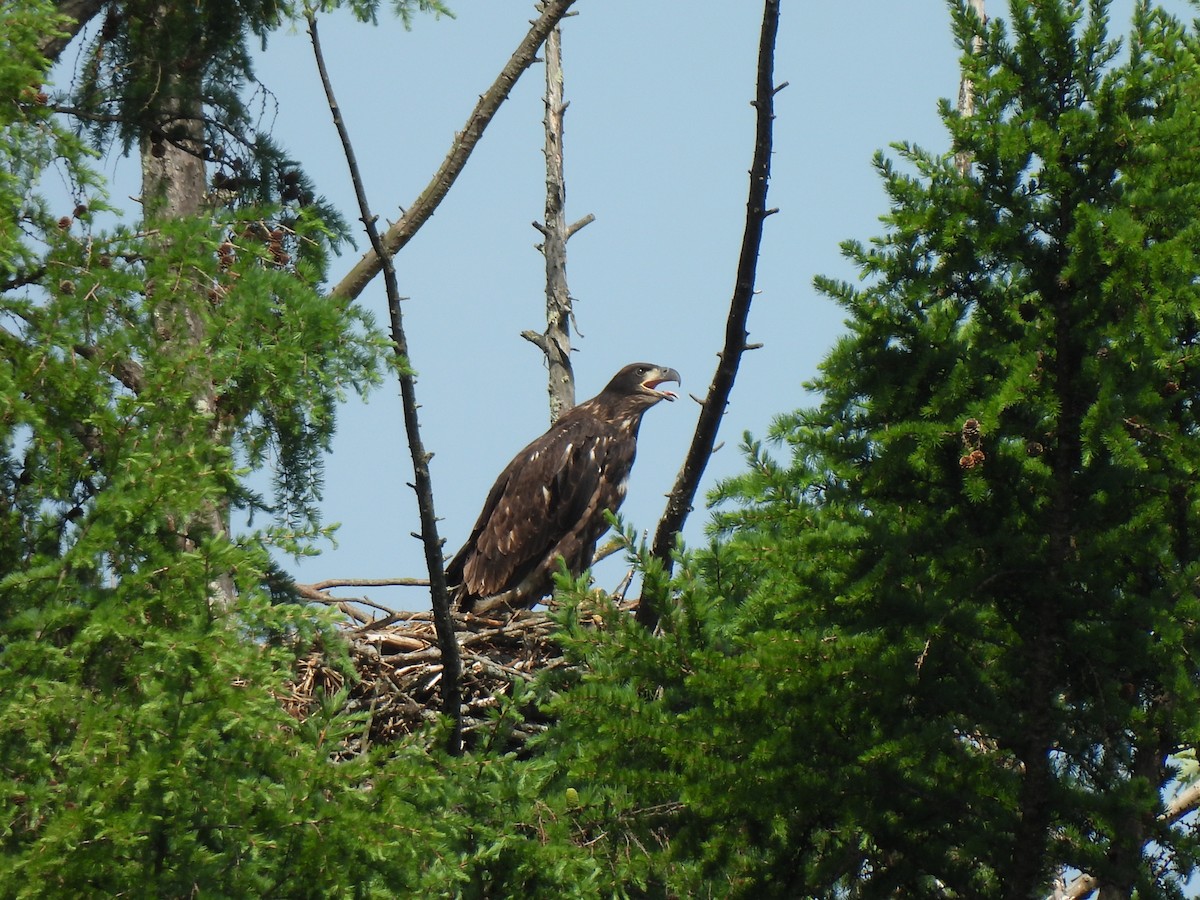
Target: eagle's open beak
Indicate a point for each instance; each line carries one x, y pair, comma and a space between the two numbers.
658, 377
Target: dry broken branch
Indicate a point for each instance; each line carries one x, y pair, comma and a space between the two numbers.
555, 342
367, 582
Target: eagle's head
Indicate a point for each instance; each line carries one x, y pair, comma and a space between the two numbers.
640, 381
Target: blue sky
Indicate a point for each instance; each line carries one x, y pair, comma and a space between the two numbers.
659, 136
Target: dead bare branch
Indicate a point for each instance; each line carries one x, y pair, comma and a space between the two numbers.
555, 342
679, 501
423, 483
578, 224
966, 90
330, 583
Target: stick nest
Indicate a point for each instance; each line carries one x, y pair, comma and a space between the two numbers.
398, 664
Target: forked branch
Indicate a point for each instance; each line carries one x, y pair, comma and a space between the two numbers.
679, 501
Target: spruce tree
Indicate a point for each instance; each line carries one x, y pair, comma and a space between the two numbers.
1002, 472
946, 644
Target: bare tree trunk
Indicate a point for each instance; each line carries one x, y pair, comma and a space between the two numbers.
966, 90
555, 341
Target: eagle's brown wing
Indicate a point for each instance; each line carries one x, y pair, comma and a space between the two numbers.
548, 503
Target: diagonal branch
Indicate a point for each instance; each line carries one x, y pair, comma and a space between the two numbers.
78, 13
451, 694
679, 501
402, 231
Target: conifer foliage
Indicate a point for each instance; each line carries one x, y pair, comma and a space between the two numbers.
943, 643
947, 644
145, 369
143, 746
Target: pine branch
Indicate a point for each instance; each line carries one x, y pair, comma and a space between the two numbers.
402, 231
444, 624
1185, 802
679, 501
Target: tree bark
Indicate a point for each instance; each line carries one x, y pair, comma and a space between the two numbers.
966, 90
174, 184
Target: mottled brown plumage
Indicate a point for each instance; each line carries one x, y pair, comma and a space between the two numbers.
549, 502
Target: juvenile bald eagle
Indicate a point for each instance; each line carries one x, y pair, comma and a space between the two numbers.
549, 502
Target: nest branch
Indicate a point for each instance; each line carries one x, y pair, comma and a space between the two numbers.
398, 667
